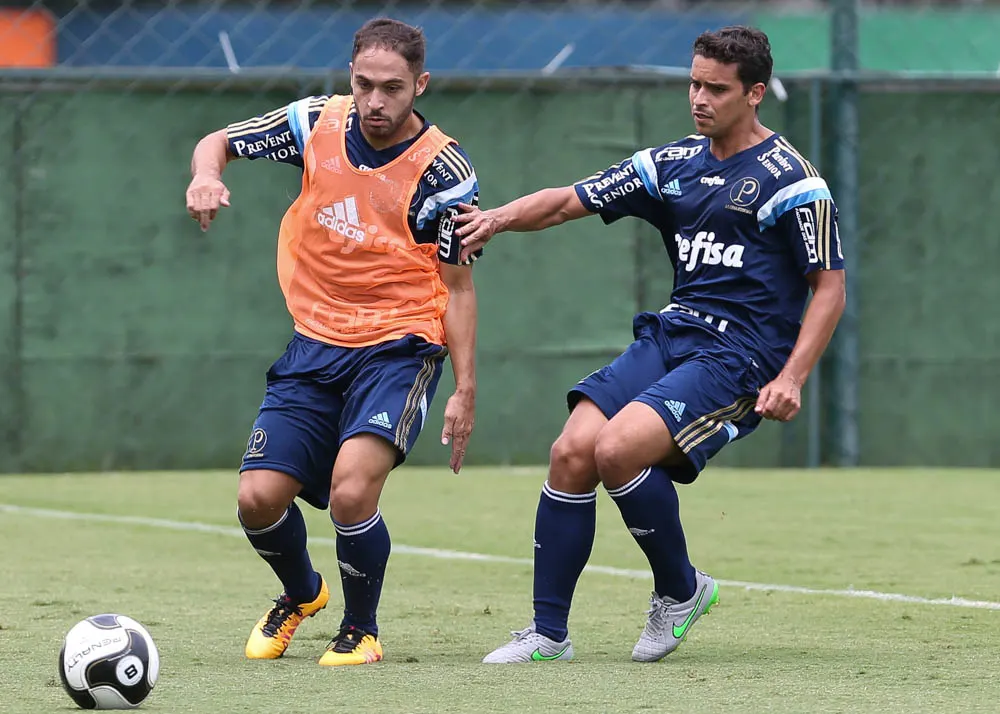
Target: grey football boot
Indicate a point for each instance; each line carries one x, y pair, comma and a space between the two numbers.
670, 621
530, 646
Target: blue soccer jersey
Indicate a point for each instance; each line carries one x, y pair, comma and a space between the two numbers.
741, 234
281, 134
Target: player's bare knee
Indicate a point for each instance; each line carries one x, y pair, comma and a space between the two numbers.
352, 501
571, 464
615, 462
261, 500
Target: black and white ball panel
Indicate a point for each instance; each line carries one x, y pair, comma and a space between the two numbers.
108, 662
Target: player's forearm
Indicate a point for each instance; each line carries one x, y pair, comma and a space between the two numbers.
818, 325
460, 329
537, 211
211, 155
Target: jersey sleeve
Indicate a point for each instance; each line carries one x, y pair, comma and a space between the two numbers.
278, 135
621, 190
447, 182
804, 215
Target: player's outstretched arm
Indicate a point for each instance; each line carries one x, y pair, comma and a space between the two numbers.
781, 399
460, 331
206, 192
534, 212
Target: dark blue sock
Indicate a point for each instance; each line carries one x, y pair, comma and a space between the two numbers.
649, 507
564, 536
283, 546
362, 553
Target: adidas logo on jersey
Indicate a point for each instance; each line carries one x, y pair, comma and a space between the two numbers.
676, 408
342, 218
671, 188
381, 419
705, 250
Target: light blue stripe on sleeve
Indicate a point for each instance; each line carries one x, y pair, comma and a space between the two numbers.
298, 121
798, 194
437, 203
795, 202
646, 168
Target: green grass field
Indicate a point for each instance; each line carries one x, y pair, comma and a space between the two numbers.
927, 534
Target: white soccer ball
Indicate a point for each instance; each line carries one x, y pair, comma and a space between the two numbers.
108, 662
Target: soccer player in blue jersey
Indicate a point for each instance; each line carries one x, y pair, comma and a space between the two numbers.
370, 270
750, 228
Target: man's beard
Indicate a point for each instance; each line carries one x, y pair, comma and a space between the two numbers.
387, 127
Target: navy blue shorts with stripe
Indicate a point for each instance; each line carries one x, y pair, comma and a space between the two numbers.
703, 386
319, 395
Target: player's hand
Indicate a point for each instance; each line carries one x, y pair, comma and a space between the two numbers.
459, 418
780, 399
204, 197
475, 228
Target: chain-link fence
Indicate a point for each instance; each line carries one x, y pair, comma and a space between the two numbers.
484, 35
131, 340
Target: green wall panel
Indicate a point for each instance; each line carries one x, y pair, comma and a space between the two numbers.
930, 339
921, 40
143, 337
11, 178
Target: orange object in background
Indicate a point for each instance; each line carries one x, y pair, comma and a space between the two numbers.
27, 38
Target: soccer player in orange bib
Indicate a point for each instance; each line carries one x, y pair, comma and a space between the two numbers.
372, 279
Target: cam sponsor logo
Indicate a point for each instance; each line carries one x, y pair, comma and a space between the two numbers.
352, 320
712, 181
446, 232
678, 153
330, 124
807, 228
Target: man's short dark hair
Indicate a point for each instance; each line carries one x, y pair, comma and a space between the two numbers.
746, 47
387, 34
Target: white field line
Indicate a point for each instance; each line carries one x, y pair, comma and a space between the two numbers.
486, 558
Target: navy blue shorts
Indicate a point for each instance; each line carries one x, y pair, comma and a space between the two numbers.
320, 395
704, 387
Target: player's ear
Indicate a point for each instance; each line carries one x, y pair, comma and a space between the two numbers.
756, 94
422, 79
